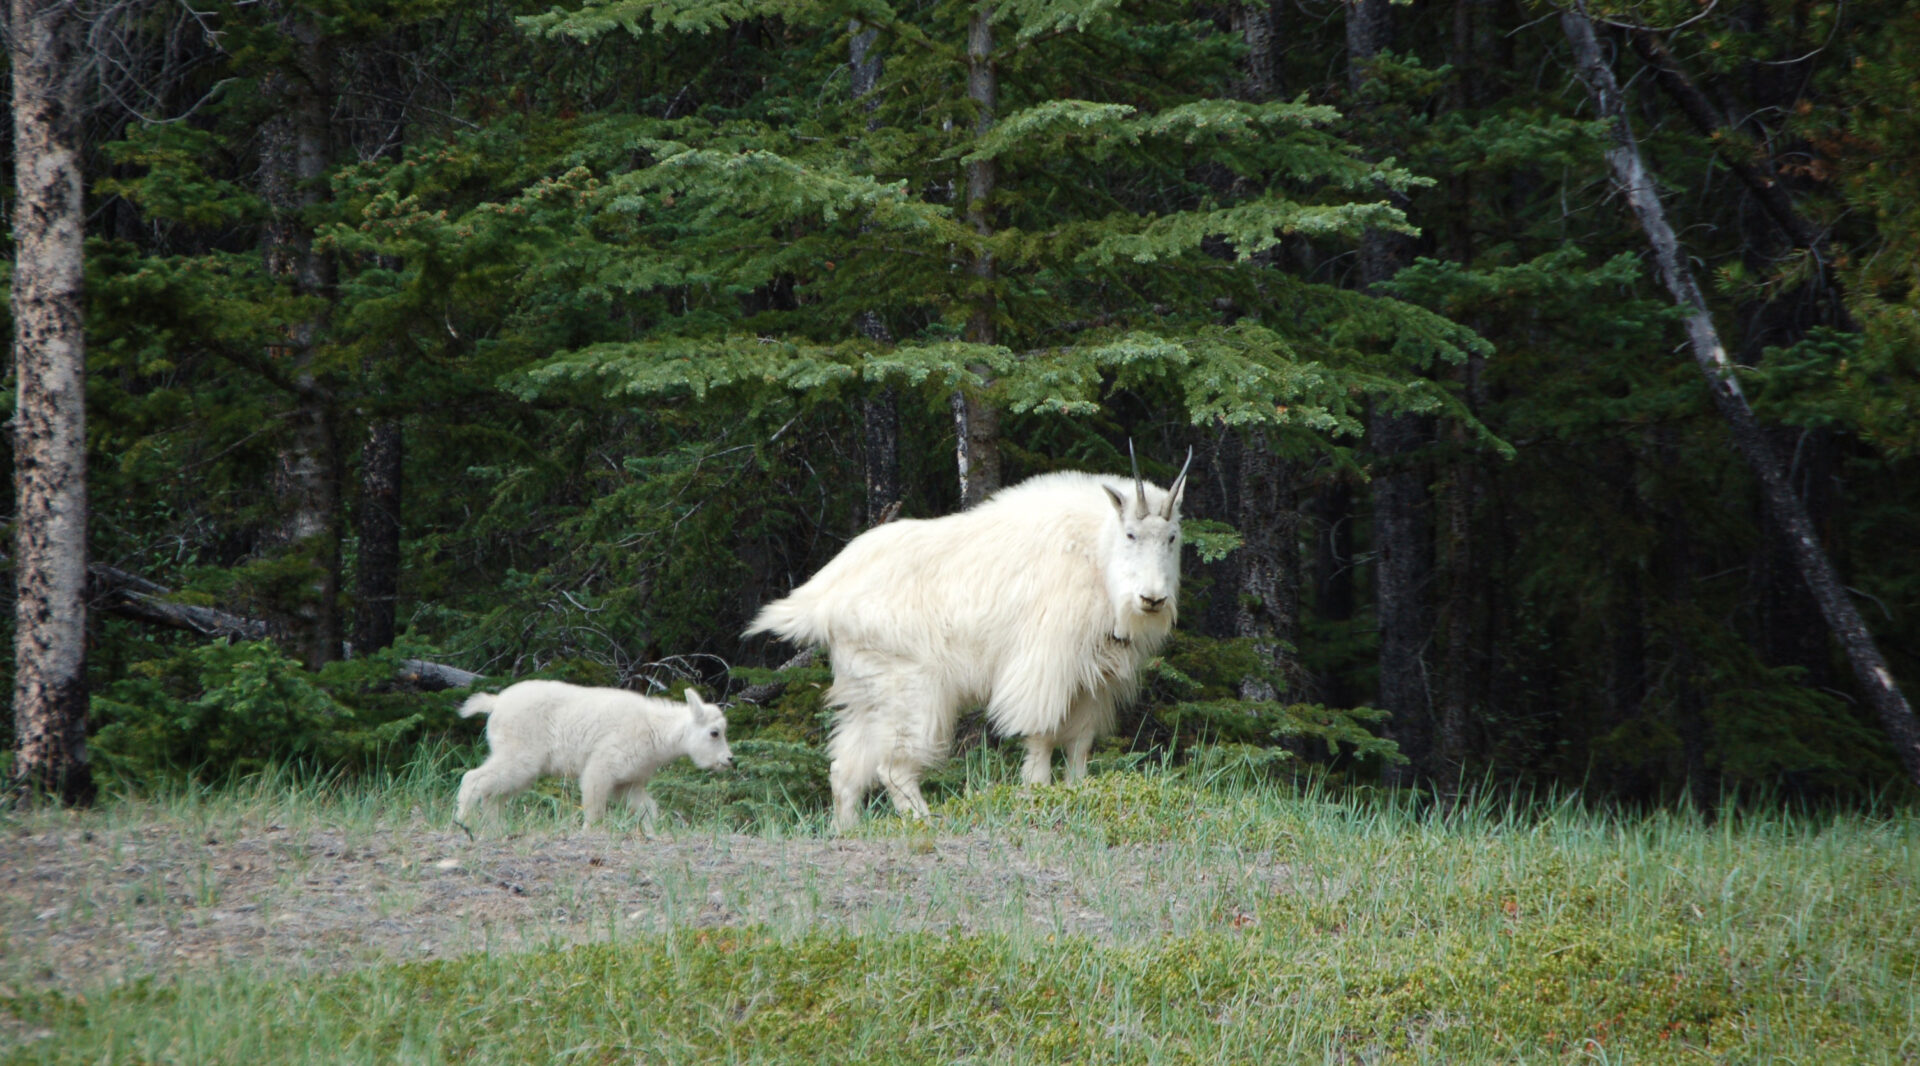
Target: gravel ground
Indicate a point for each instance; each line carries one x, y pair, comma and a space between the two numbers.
85, 905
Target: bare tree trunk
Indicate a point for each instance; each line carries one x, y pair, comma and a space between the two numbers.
1255, 25
1623, 157
1682, 681
1402, 541
880, 407
49, 426
1269, 602
1264, 498
1402, 574
1461, 616
377, 576
1460, 613
1792, 631
296, 149
880, 424
1331, 512
976, 421
1626, 630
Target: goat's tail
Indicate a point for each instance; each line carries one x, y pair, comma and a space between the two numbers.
478, 703
793, 619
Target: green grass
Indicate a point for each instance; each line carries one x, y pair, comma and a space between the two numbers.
1324, 928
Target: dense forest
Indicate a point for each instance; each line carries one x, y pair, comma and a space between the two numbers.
527, 339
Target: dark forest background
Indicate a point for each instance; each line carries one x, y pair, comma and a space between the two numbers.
527, 340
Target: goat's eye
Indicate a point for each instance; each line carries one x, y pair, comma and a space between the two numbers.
714, 733
1132, 537
1173, 538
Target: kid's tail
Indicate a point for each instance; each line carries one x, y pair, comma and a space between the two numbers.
478, 703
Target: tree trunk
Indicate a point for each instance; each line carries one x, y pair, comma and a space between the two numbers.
1331, 512
1402, 542
1682, 674
296, 149
1255, 24
377, 576
1791, 630
49, 428
880, 407
1268, 607
1623, 157
1261, 493
1402, 572
1461, 613
976, 421
116, 591
1626, 635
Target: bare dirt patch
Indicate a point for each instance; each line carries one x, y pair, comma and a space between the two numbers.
81, 907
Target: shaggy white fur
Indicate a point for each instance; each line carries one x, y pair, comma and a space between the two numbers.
1042, 602
611, 739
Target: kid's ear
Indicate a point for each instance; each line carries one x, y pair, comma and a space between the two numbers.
694, 701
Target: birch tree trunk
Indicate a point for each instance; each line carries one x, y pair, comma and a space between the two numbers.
976, 421
49, 427
1630, 171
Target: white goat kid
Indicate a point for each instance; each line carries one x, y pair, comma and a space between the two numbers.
610, 739
1043, 602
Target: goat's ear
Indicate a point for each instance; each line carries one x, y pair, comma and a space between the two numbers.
699, 707
1178, 490
1119, 505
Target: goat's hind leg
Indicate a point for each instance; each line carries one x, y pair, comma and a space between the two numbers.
902, 780
855, 765
641, 802
489, 784
922, 735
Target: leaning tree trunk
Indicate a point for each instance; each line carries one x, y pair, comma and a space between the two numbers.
50, 429
1630, 170
976, 421
1402, 544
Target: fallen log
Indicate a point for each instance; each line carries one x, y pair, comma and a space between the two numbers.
129, 595
758, 694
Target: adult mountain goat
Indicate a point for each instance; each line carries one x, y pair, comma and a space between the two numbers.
1042, 602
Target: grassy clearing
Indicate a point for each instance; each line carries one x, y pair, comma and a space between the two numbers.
1309, 927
